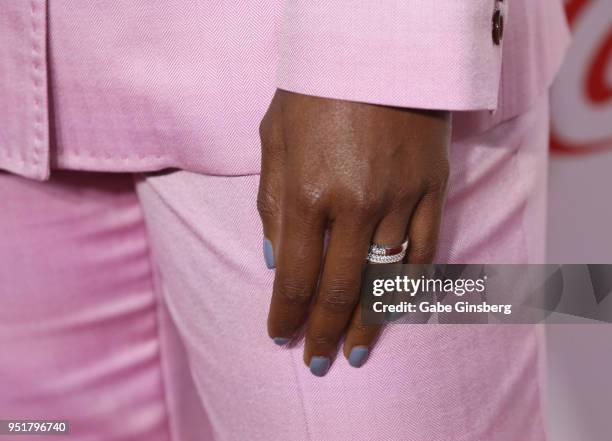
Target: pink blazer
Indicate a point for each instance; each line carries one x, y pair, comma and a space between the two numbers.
140, 85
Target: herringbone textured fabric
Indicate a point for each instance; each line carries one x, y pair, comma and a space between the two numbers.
140, 85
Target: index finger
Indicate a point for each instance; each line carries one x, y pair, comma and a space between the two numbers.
297, 271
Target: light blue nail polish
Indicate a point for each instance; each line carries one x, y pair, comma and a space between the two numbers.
281, 340
268, 253
358, 356
319, 365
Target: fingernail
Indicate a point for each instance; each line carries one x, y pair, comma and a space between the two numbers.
319, 365
268, 253
281, 340
358, 356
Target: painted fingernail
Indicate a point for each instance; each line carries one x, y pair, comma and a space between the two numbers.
319, 365
280, 340
268, 253
358, 356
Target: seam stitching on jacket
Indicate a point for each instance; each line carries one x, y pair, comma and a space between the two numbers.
37, 85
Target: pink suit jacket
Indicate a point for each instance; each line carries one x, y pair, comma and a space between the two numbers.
140, 86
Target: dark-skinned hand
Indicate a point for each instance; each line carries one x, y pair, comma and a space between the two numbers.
362, 173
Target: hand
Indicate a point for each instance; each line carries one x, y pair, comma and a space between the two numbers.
365, 173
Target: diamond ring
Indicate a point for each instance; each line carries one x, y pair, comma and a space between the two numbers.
387, 254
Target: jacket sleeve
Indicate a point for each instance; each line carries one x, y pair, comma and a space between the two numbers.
409, 53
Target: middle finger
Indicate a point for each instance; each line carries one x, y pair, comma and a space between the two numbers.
338, 292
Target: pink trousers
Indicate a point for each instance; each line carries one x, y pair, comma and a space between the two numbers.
137, 312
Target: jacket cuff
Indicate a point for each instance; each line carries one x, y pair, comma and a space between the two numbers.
419, 53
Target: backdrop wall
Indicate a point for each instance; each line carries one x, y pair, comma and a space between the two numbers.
580, 220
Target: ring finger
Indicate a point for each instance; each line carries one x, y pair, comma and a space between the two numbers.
360, 337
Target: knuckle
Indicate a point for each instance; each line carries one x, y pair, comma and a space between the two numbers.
309, 198
338, 298
320, 338
363, 204
294, 292
267, 205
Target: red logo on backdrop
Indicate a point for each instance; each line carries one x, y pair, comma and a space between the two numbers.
581, 115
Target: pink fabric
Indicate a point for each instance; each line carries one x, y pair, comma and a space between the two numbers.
84, 320
81, 328
423, 54
140, 85
24, 116
434, 383
435, 55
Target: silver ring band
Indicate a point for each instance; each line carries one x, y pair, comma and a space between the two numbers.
387, 254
